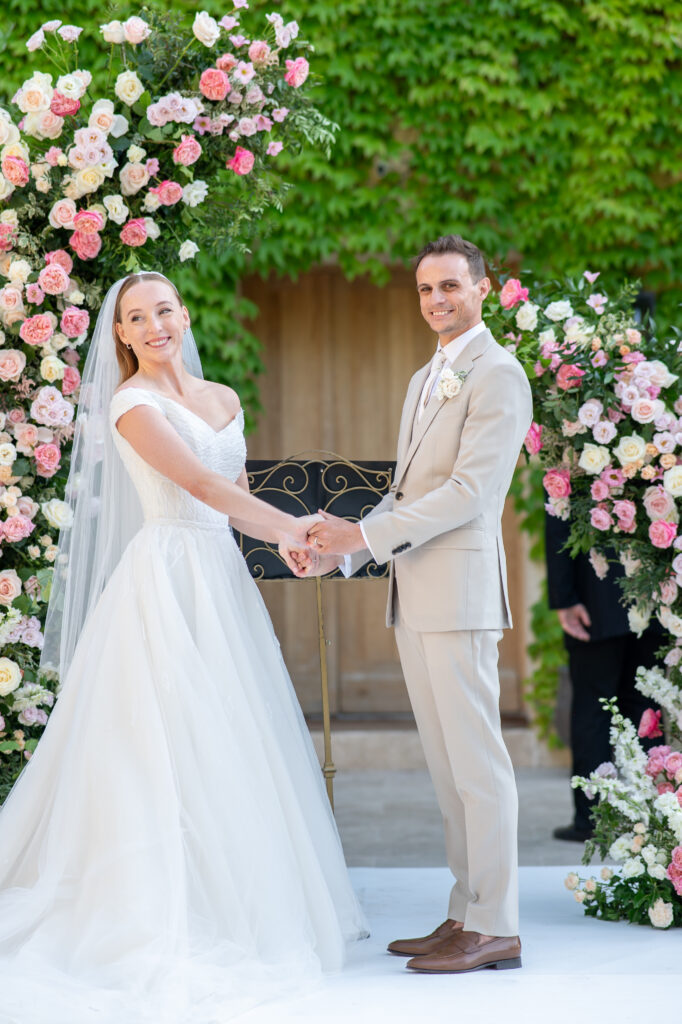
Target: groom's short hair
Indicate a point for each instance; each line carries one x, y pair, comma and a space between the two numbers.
455, 244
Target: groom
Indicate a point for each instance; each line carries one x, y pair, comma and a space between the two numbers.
465, 416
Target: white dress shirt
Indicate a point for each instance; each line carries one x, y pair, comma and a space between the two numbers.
452, 351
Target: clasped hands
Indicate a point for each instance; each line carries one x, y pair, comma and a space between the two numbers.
319, 543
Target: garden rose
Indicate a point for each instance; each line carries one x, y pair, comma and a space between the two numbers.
61, 257
646, 410
662, 533
135, 30
48, 458
62, 213
599, 490
526, 315
297, 72
53, 279
86, 247
134, 233
242, 162
10, 676
214, 84
133, 177
631, 449
128, 87
557, 483
12, 364
10, 586
512, 293
16, 171
37, 330
168, 192
88, 222
658, 504
625, 511
604, 432
533, 441
559, 310
569, 376
186, 153
206, 29
74, 321
70, 380
17, 528
64, 106
259, 52
594, 458
600, 519
672, 481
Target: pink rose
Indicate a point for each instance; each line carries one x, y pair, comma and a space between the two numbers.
8, 236
668, 591
658, 503
75, 321
71, 380
274, 148
242, 161
676, 857
187, 152
135, 30
37, 330
168, 192
62, 213
533, 441
88, 222
673, 763
600, 519
16, 171
569, 376
48, 457
512, 292
52, 156
297, 72
61, 257
134, 233
625, 512
226, 62
557, 483
599, 490
64, 106
28, 507
12, 364
53, 279
279, 113
15, 415
86, 247
259, 52
26, 436
35, 294
214, 84
10, 584
17, 528
662, 534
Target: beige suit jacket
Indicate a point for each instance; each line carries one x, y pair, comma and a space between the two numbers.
440, 523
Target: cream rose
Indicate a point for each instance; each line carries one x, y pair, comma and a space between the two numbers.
10, 676
670, 621
136, 154
527, 316
12, 364
35, 94
19, 272
113, 32
660, 375
8, 131
52, 369
187, 250
10, 586
672, 481
116, 209
62, 213
89, 179
630, 449
128, 88
638, 619
559, 310
58, 514
206, 28
133, 177
594, 458
102, 116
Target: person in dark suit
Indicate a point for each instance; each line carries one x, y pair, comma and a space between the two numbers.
603, 656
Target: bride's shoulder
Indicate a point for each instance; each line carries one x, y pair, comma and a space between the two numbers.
223, 395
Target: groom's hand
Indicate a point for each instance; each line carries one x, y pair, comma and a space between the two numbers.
335, 536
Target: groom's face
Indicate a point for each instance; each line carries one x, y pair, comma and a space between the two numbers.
450, 301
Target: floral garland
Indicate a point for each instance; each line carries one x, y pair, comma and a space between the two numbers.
179, 149
608, 433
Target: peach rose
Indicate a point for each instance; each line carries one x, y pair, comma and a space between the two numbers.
133, 177
226, 62
214, 84
16, 171
71, 380
134, 233
53, 279
168, 192
557, 483
10, 586
62, 213
259, 52
88, 222
187, 152
75, 321
37, 330
12, 364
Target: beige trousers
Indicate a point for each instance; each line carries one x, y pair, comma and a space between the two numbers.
453, 683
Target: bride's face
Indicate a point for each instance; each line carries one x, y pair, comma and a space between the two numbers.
152, 323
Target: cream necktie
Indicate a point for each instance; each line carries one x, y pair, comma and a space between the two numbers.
439, 361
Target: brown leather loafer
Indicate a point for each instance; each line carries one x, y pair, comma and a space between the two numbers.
429, 943
465, 953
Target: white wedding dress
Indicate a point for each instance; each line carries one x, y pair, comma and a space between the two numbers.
169, 853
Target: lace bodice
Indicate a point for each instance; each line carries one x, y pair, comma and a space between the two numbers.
223, 451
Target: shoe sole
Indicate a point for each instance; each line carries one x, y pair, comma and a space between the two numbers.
499, 965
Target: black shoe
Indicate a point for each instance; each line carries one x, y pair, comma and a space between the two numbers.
573, 834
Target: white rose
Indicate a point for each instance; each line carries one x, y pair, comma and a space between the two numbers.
6, 188
527, 316
113, 32
630, 449
606, 874
594, 458
58, 341
670, 621
559, 310
187, 250
10, 676
571, 881
661, 914
633, 868
660, 375
89, 179
35, 94
71, 86
119, 127
76, 298
102, 116
646, 410
62, 213
19, 272
590, 412
136, 154
9, 217
8, 131
658, 872
638, 619
153, 229
128, 88
52, 369
195, 192
547, 337
604, 431
672, 481
116, 208
58, 514
205, 28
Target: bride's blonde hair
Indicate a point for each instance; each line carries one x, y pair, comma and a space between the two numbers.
127, 360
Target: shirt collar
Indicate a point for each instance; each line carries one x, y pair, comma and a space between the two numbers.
453, 348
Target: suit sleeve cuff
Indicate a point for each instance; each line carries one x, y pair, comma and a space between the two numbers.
346, 567
367, 544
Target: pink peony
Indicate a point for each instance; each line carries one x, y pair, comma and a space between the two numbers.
17, 528
599, 490
187, 152
64, 106
557, 483
569, 376
85, 246
88, 222
61, 257
259, 52
512, 293
297, 72
15, 170
47, 458
650, 725
37, 330
168, 193
533, 441
71, 380
75, 321
134, 233
600, 519
662, 534
214, 84
53, 279
242, 161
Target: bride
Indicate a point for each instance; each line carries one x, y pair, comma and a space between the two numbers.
168, 854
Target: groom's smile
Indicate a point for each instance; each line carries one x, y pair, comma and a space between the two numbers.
450, 300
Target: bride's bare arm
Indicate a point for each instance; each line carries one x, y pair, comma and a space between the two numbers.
155, 441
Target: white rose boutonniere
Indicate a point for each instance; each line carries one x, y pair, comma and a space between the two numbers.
450, 383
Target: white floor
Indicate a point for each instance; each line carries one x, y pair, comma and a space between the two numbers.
575, 970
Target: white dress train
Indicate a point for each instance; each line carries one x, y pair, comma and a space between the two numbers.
169, 853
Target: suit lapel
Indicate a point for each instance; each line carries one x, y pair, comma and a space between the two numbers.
410, 411
464, 361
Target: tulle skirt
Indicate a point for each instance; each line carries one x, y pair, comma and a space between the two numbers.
169, 853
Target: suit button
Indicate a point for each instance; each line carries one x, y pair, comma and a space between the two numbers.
399, 495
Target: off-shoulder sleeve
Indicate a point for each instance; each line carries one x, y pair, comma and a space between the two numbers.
127, 399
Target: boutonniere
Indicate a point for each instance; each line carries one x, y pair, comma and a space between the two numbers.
450, 383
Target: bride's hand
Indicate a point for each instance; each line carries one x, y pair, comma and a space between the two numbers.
293, 547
